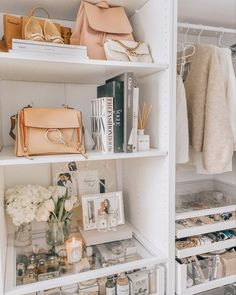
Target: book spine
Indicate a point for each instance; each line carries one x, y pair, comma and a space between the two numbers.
118, 117
107, 134
135, 119
49, 54
47, 49
128, 94
115, 89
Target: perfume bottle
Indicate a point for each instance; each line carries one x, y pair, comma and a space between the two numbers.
122, 285
20, 272
42, 268
31, 273
143, 141
52, 264
112, 220
102, 222
110, 286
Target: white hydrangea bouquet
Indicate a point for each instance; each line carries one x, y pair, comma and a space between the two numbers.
23, 201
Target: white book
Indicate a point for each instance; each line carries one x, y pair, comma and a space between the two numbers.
135, 118
28, 45
37, 54
106, 121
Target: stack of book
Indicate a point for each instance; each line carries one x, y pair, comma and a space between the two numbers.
46, 49
114, 119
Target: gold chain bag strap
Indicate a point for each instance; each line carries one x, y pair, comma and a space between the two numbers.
48, 131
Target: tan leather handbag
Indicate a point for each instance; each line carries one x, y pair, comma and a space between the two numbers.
96, 23
48, 131
14, 28
30, 16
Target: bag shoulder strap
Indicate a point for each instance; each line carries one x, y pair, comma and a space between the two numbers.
33, 10
13, 123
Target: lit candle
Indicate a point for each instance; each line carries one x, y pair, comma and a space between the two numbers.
74, 249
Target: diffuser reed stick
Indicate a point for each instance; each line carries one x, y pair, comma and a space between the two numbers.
143, 115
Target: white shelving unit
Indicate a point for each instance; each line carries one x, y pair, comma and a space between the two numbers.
146, 178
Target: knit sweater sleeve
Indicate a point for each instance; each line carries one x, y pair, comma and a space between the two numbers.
218, 137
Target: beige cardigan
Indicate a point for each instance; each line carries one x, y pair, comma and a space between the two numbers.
209, 125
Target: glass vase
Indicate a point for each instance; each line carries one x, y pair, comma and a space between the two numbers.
57, 233
23, 235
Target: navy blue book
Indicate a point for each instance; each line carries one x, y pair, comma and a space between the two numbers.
128, 80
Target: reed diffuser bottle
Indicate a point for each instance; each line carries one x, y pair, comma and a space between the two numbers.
143, 140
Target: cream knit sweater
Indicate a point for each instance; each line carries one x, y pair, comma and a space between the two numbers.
209, 125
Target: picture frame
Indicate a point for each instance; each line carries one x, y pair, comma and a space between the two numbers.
67, 179
91, 205
90, 177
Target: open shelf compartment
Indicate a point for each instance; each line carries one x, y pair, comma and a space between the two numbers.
7, 157
58, 70
183, 232
149, 257
182, 279
205, 248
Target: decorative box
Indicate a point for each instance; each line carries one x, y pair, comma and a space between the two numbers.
139, 283
229, 263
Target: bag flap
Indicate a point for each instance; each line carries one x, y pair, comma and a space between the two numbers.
109, 20
139, 48
51, 118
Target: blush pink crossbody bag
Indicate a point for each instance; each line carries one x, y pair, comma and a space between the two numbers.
96, 23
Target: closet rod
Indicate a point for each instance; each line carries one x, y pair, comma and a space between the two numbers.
206, 28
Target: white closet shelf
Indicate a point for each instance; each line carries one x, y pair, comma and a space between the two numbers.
205, 248
184, 232
7, 157
149, 259
62, 70
205, 212
62, 10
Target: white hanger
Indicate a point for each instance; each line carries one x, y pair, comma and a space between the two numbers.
187, 46
199, 36
185, 56
220, 39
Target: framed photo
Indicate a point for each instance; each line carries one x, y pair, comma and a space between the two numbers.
88, 182
91, 206
68, 180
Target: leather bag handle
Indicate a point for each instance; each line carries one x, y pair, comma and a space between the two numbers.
13, 126
103, 4
13, 123
33, 10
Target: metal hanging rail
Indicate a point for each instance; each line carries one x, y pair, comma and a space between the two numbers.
206, 28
